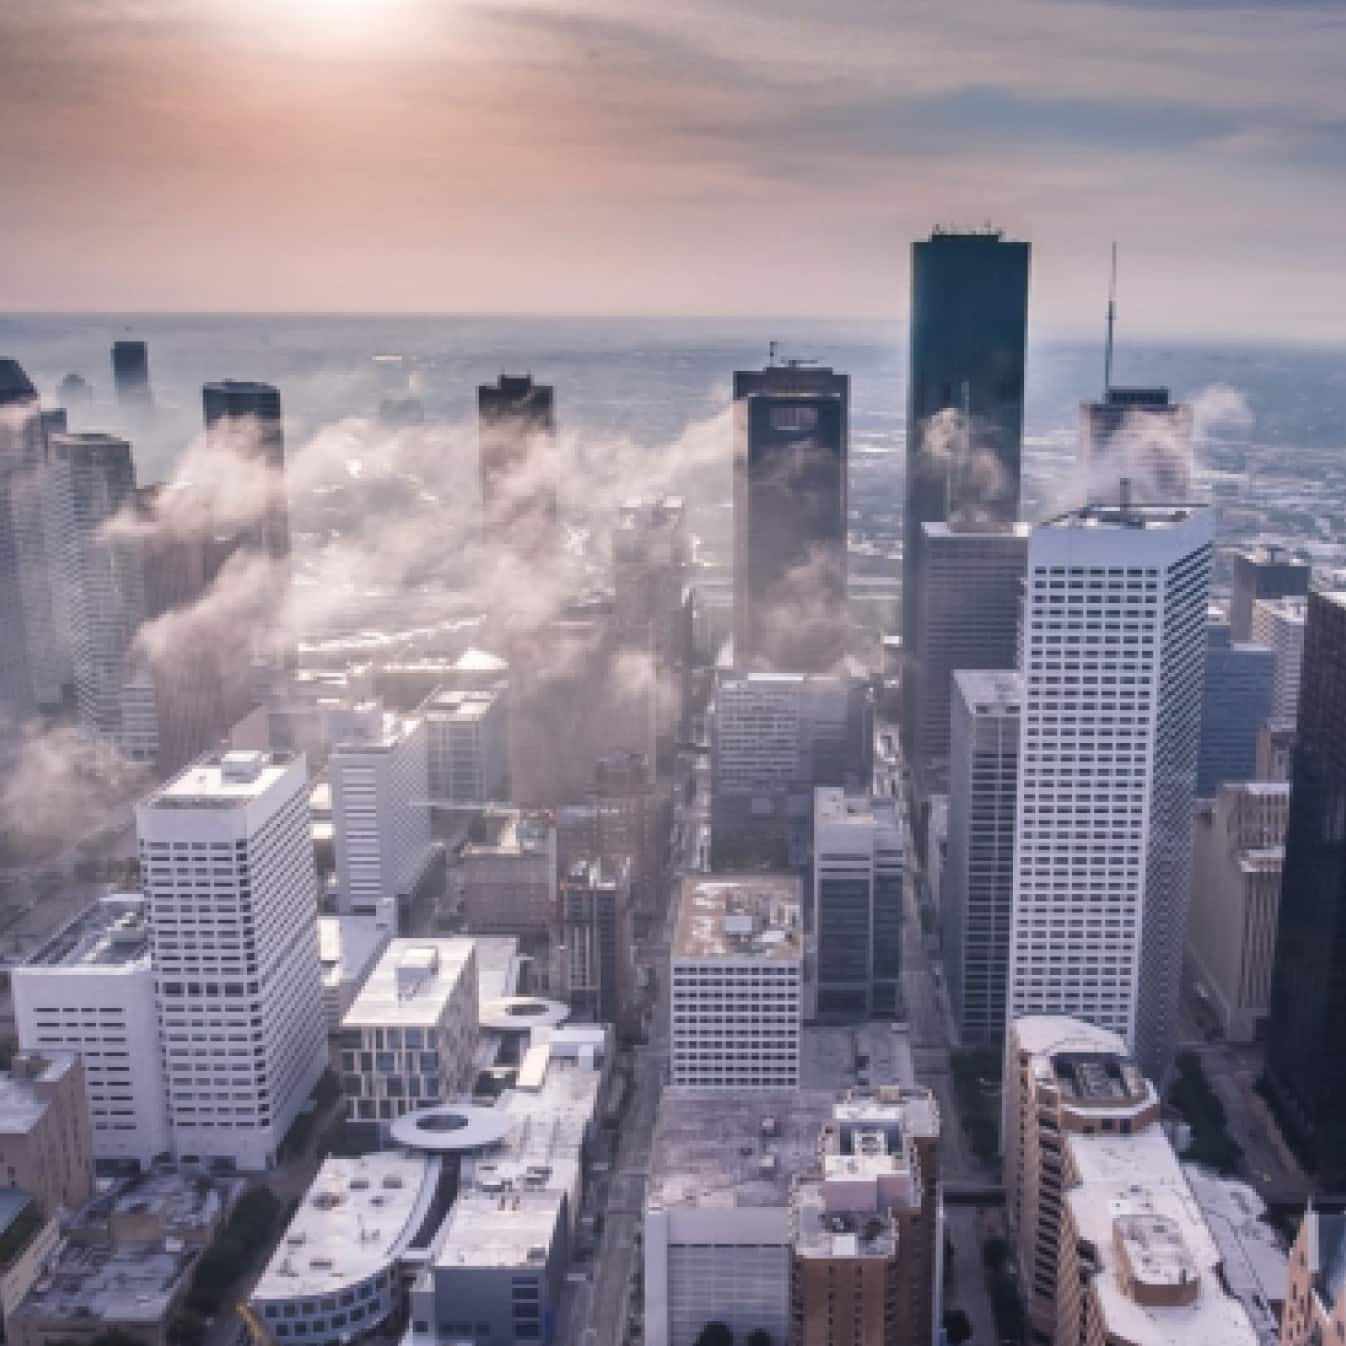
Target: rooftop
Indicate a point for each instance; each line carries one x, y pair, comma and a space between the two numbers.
222, 780
967, 532
123, 1285
988, 690
180, 1201
370, 729
460, 705
110, 934
1294, 609
411, 983
740, 916
1121, 516
512, 832
505, 1229
347, 945
354, 1219
21, 1106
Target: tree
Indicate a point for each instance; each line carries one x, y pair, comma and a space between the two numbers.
957, 1327
759, 1336
715, 1334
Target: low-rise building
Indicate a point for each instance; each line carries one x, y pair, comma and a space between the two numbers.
1315, 1297
46, 1142
509, 875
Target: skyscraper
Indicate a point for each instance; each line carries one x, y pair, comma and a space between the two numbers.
243, 420
1236, 699
1306, 1067
232, 901
516, 420
131, 374
965, 395
1263, 572
1278, 623
92, 480
1114, 654
790, 459
1137, 433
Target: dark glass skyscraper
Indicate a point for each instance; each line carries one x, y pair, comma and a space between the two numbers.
790, 456
515, 415
965, 398
1306, 1066
243, 418
131, 374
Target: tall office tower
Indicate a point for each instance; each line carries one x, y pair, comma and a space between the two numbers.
1278, 623
1235, 700
74, 391
379, 812
516, 422
243, 421
1236, 893
131, 374
596, 933
228, 871
790, 458
467, 745
868, 1227
1062, 1077
1136, 433
977, 889
737, 970
633, 818
30, 671
1305, 1067
967, 608
1275, 749
90, 989
858, 871
1114, 656
92, 481
965, 395
1263, 572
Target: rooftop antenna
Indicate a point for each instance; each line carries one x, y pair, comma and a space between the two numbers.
1112, 322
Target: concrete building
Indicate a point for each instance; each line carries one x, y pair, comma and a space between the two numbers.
380, 812
1114, 657
516, 423
509, 875
1279, 624
1315, 1298
335, 1274
718, 1241
90, 990
1139, 434
737, 982
231, 890
1236, 892
349, 948
598, 957
1236, 699
467, 745
858, 872
409, 1039
976, 895
46, 1144
869, 1228
1263, 572
1062, 1077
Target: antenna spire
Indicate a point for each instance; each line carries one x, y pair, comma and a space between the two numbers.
1112, 322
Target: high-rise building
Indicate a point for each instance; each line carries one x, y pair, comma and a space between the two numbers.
1305, 1067
1113, 663
131, 374
1236, 894
1139, 434
598, 967
1278, 623
467, 745
965, 396
858, 872
243, 420
1263, 572
379, 812
1235, 701
92, 481
1275, 749
510, 876
977, 887
967, 608
791, 428
74, 391
231, 889
90, 990
737, 973
516, 422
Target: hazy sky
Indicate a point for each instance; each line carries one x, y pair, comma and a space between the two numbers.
673, 156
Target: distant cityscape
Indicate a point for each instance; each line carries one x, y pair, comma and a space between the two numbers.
528, 905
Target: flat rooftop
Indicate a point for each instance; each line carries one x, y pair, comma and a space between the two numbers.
1120, 517
411, 983
499, 967
820, 1231
832, 804
347, 946
357, 1215
110, 934
712, 1148
134, 1284
509, 1229
21, 1108
1044, 1034
999, 532
990, 690
740, 916
512, 832
223, 780
1294, 609
381, 732
461, 706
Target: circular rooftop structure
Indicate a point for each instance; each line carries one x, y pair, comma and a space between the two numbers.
519, 1013
451, 1128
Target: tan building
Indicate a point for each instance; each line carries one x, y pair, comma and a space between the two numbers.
509, 875
46, 1142
1062, 1077
1239, 848
867, 1227
1275, 744
1315, 1302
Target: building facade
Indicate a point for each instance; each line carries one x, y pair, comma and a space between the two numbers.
467, 745
510, 876
516, 424
1140, 435
243, 423
46, 1145
1236, 699
1263, 572
595, 917
1278, 623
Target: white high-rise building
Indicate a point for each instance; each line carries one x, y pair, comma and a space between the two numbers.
467, 744
1114, 660
229, 878
1279, 624
90, 989
379, 812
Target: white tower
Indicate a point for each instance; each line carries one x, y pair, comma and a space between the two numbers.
232, 891
1114, 657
